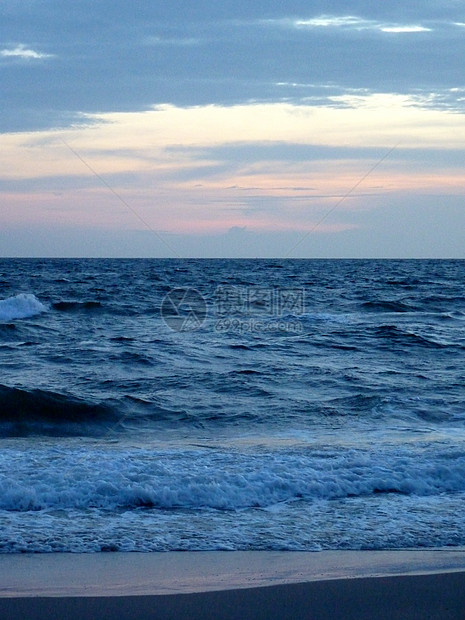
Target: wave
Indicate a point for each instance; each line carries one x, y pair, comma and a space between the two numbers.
356, 403
30, 412
386, 306
22, 306
324, 317
452, 300
7, 328
25, 412
76, 306
132, 357
395, 335
215, 480
407, 282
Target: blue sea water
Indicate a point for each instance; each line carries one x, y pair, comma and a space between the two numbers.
153, 405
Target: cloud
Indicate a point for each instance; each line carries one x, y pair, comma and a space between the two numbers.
21, 51
205, 169
237, 230
173, 140
178, 42
329, 21
261, 172
406, 29
349, 22
223, 54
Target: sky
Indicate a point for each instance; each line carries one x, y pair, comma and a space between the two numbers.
232, 128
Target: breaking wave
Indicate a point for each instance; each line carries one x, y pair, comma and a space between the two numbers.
220, 481
20, 306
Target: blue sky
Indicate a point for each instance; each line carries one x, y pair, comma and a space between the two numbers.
307, 129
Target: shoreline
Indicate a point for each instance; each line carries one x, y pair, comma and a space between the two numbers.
235, 584
186, 572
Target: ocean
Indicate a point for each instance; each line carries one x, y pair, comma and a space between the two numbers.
157, 405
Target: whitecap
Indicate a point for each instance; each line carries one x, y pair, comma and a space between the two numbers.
20, 306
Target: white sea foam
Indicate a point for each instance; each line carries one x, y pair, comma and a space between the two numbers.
20, 306
59, 499
214, 480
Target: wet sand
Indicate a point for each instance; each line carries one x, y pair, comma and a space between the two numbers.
230, 585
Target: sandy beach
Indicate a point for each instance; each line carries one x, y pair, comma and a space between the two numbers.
230, 585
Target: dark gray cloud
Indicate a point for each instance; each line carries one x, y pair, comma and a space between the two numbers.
85, 56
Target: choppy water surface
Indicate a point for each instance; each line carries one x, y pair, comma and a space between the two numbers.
296, 404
